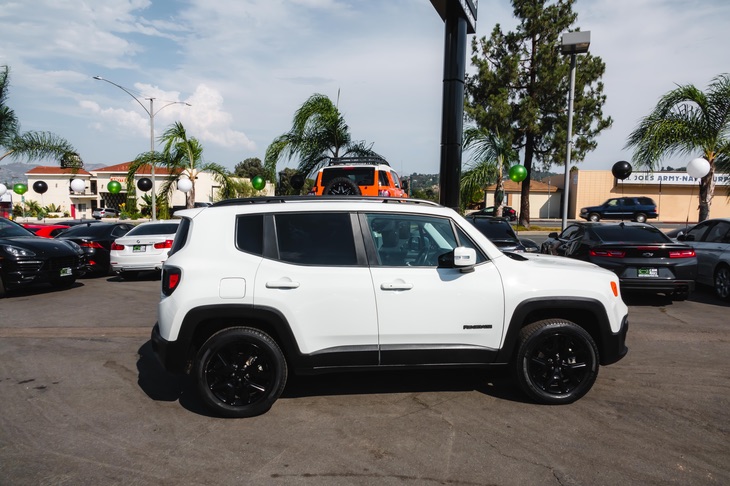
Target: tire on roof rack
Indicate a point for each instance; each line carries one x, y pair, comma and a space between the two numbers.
341, 186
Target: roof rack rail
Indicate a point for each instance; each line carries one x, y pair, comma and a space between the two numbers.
284, 199
363, 160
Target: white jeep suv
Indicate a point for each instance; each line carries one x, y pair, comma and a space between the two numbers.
256, 288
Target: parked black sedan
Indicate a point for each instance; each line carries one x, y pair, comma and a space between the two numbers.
96, 240
643, 257
27, 259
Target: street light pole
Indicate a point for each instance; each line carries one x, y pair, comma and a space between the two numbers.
151, 112
573, 43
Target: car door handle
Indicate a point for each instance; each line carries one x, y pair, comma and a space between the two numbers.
396, 286
282, 284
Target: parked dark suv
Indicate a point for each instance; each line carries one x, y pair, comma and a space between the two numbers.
637, 209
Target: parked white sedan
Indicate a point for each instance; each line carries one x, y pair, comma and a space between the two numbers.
145, 247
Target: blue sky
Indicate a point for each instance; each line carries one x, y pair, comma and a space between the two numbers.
245, 66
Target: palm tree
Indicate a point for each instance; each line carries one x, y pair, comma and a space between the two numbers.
687, 121
32, 145
490, 156
182, 156
318, 133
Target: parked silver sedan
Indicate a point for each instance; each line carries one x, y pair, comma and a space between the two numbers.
711, 242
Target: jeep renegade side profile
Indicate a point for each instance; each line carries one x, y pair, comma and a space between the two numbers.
257, 288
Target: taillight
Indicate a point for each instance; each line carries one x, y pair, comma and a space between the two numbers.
117, 246
608, 253
164, 244
90, 244
384, 193
682, 254
171, 277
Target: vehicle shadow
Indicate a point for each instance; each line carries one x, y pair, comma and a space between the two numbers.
38, 289
160, 385
702, 295
145, 276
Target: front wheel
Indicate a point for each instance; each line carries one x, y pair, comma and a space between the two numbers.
722, 282
557, 361
240, 372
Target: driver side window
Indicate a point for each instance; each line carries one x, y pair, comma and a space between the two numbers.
407, 240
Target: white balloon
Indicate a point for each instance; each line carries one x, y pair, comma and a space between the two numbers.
184, 185
698, 168
77, 185
3, 189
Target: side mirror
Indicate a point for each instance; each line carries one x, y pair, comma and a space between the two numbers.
460, 257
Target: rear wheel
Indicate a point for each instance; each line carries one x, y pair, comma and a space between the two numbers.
640, 218
557, 361
722, 282
342, 186
595, 217
240, 372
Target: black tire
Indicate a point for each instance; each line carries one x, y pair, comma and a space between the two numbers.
722, 282
342, 186
240, 372
595, 217
640, 218
557, 361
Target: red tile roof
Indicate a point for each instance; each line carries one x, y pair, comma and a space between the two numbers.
56, 170
124, 167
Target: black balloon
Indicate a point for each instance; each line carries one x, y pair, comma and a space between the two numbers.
621, 170
40, 187
144, 184
297, 181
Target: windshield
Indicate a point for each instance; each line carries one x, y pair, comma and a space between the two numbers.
9, 229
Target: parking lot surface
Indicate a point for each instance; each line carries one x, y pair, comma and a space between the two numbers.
84, 401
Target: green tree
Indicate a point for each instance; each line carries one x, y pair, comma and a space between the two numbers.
182, 156
521, 84
318, 132
688, 121
30, 145
490, 156
250, 168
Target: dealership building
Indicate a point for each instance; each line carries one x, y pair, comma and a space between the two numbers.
676, 194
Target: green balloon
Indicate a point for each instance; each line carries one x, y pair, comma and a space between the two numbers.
114, 187
20, 189
518, 173
258, 183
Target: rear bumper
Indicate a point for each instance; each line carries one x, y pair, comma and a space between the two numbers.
656, 285
171, 355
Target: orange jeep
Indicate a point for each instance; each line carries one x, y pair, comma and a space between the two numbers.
358, 176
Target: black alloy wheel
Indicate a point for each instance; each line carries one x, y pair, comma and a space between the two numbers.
240, 372
342, 186
722, 282
557, 361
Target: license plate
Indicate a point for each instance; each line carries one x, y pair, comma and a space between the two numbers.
648, 272
138, 248
65, 272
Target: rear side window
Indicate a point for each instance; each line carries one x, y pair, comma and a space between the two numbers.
181, 236
315, 239
250, 233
